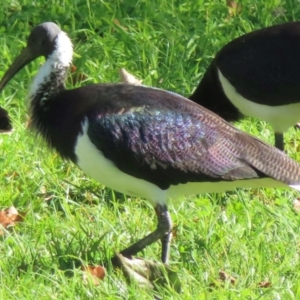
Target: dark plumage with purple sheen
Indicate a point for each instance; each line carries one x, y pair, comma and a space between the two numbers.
263, 67
143, 141
5, 123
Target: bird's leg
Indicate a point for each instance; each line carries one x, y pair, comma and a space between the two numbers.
279, 143
162, 232
166, 239
165, 244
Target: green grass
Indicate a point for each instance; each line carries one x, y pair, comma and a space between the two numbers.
253, 235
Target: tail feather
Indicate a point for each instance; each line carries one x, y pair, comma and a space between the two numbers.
270, 161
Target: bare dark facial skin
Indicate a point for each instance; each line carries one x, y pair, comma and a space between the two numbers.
41, 42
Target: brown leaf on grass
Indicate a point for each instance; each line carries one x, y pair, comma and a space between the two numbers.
28, 123
219, 283
117, 22
12, 175
147, 274
264, 284
279, 11
296, 204
9, 217
44, 194
76, 77
95, 273
233, 7
225, 277
174, 231
128, 78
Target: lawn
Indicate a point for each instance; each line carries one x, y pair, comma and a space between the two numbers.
71, 220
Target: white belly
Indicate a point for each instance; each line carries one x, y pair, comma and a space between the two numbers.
281, 118
94, 164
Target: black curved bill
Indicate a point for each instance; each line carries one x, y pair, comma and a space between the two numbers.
25, 57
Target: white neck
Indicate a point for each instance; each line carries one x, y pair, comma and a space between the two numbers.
60, 59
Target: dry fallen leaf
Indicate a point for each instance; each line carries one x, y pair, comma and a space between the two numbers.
296, 204
12, 175
219, 283
264, 284
117, 22
76, 77
225, 277
43, 193
148, 274
9, 217
95, 273
279, 12
128, 78
233, 7
174, 231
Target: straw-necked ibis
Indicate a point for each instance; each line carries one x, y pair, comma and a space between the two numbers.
256, 75
5, 123
142, 141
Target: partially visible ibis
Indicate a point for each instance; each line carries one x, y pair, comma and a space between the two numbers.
256, 75
142, 141
5, 123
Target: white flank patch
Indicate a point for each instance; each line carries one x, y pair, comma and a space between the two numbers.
281, 118
296, 187
60, 58
93, 163
193, 188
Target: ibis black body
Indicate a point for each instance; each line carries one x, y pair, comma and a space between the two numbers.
143, 141
256, 75
5, 123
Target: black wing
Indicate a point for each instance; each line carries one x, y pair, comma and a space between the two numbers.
263, 63
165, 139
160, 136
